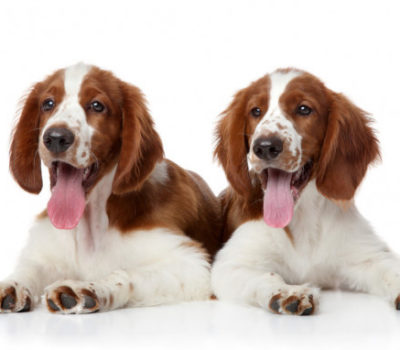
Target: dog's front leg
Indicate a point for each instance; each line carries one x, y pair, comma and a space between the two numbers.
73, 297
46, 258
247, 270
165, 268
22, 289
366, 264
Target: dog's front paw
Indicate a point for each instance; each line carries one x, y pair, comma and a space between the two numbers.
294, 300
14, 298
71, 297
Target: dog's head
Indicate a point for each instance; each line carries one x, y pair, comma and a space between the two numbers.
289, 128
82, 122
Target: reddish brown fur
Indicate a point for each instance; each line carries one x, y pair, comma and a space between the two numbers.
125, 138
349, 147
234, 132
336, 137
24, 158
183, 204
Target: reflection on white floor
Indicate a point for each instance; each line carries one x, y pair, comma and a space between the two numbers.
344, 321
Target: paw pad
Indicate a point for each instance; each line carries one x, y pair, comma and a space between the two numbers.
15, 299
301, 304
64, 299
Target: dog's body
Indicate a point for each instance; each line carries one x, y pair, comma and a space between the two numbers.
133, 228
294, 153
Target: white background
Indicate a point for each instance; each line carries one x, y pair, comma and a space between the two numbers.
189, 58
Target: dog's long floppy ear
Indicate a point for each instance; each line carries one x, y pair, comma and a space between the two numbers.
350, 145
232, 144
24, 156
141, 147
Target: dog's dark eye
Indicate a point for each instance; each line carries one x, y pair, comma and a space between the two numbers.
48, 104
97, 106
303, 110
255, 112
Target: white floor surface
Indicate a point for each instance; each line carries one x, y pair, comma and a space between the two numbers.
344, 321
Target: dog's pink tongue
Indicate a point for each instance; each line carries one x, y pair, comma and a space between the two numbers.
278, 199
67, 202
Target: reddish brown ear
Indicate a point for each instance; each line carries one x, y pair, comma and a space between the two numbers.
24, 156
349, 147
141, 146
232, 144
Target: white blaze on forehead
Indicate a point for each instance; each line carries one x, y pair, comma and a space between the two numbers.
73, 77
70, 113
279, 81
275, 122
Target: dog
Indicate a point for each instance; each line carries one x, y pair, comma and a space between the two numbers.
294, 153
124, 226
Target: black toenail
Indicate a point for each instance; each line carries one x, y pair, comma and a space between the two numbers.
67, 301
274, 304
8, 302
292, 307
89, 302
27, 306
52, 306
307, 312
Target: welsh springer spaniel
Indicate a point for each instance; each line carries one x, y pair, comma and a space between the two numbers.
294, 153
123, 226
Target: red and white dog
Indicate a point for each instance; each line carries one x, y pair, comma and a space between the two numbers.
124, 226
295, 152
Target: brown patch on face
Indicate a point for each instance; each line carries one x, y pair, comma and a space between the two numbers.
235, 129
336, 136
53, 88
307, 90
131, 287
24, 160
124, 135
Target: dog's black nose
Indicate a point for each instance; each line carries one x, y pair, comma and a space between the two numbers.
268, 148
58, 140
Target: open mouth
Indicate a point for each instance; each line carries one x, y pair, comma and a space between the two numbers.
298, 179
281, 190
88, 174
69, 186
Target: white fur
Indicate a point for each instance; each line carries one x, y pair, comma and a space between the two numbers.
331, 247
138, 268
159, 263
160, 173
71, 113
274, 116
